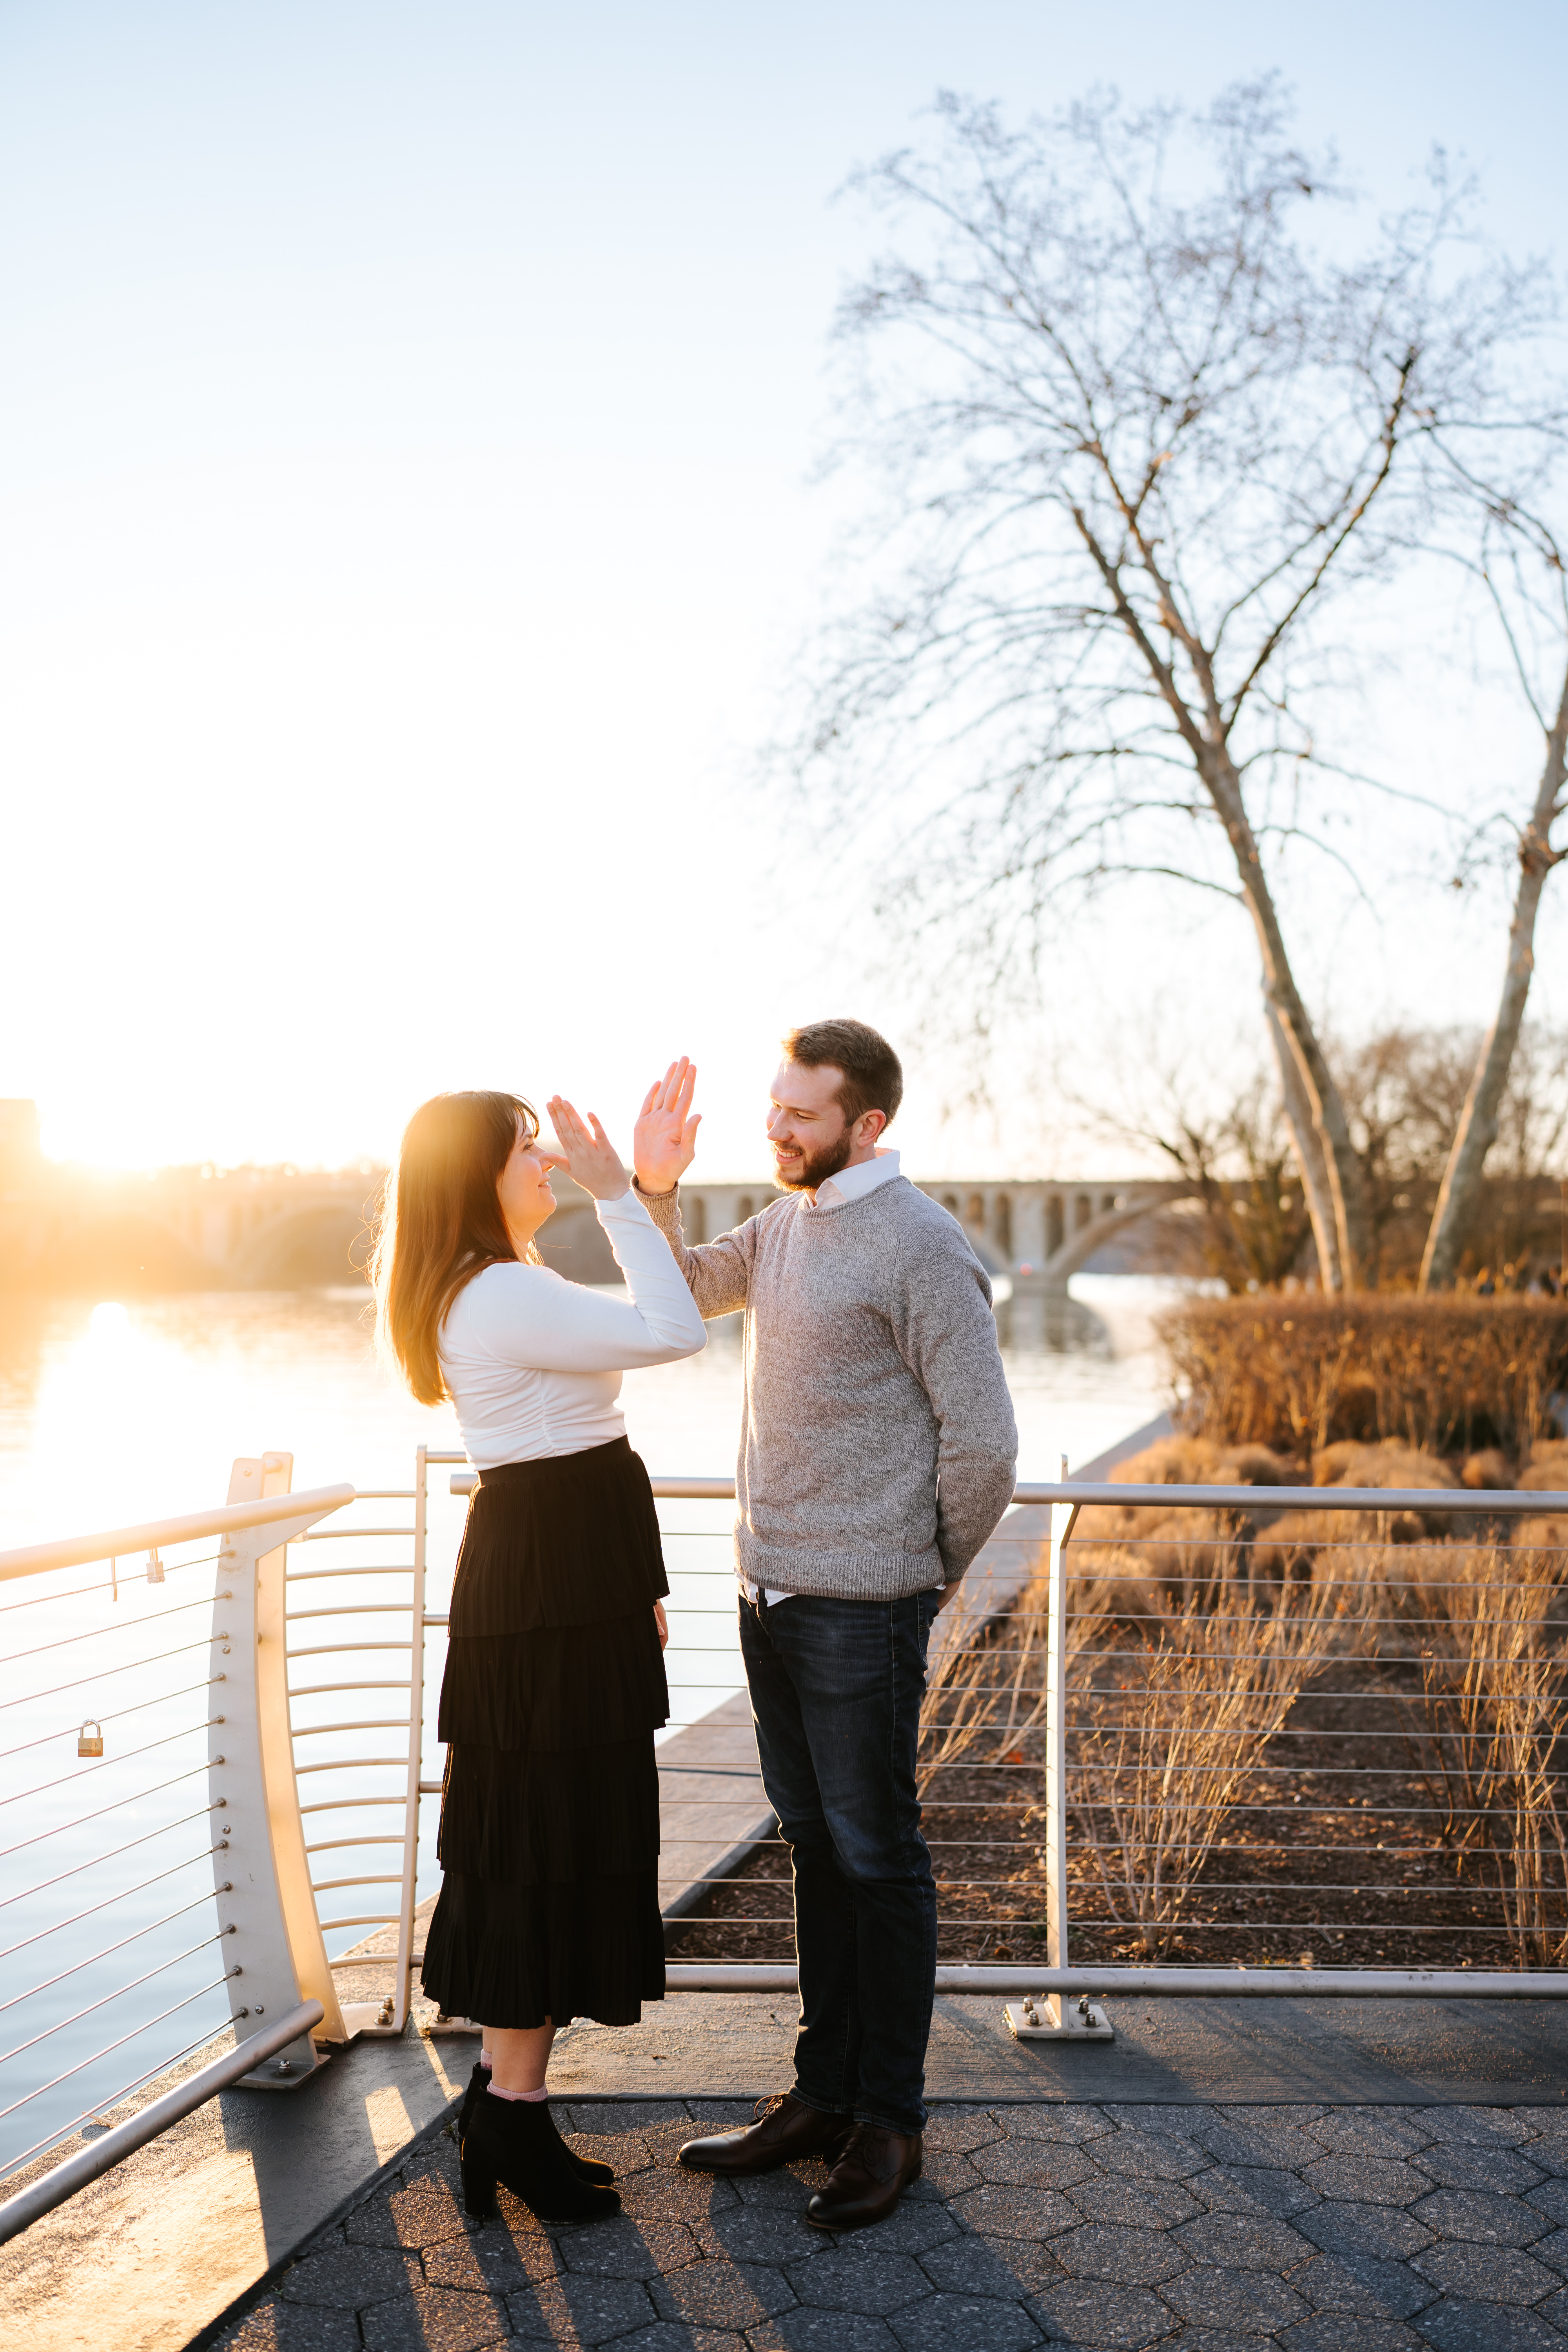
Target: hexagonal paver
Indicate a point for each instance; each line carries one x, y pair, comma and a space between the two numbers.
1242, 2241
957, 2134
420, 2214
722, 2295
1252, 2188
1367, 2181
753, 2237
1285, 2149
1081, 2125
1486, 2126
1389, 2232
495, 2257
626, 2153
1502, 2168
1129, 2257
1105, 2318
1015, 2212
1486, 2273
1364, 2131
578, 2310
350, 2278
788, 2191
1136, 2204
622, 2248
1550, 2198
1337, 2331
945, 2173
915, 2226
670, 2335
995, 2270
1552, 2250
1555, 2309
955, 2323
1481, 2215
1244, 2301
1042, 2163
1150, 2156
821, 2331
293, 2327
1484, 2327
874, 2281
1356, 2283
435, 2319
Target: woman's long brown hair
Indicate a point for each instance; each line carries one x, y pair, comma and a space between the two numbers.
441, 1223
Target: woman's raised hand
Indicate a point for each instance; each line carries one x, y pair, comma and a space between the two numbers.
592, 1160
664, 1141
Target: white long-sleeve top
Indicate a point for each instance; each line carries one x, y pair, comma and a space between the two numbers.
535, 1362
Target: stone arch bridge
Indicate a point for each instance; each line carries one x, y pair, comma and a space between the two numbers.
261, 1229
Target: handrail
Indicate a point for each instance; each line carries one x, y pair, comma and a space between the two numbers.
52, 2189
121, 1543
1518, 1502
1296, 1984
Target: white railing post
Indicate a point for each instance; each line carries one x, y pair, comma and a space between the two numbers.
408, 1894
272, 1942
1055, 1749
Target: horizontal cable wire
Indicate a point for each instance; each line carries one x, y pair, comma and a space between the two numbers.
348, 1609
335, 1845
110, 1763
320, 1575
210, 1895
179, 1823
120, 1894
135, 1797
104, 1998
106, 2106
102, 1674
321, 1690
97, 1632
352, 1764
117, 1716
146, 2027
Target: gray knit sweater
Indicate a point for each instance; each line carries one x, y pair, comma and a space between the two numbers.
878, 1446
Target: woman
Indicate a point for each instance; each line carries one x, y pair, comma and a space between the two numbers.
554, 1682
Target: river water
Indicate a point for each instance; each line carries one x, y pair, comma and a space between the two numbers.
113, 1412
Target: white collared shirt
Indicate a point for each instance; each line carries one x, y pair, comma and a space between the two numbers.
849, 1185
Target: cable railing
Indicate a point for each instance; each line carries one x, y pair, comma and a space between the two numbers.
1210, 1738
136, 1850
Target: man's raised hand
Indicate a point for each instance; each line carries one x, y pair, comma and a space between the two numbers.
664, 1141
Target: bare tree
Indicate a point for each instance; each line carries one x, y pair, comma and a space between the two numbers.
1136, 440
1520, 565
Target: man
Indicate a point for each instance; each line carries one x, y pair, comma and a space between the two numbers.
878, 1452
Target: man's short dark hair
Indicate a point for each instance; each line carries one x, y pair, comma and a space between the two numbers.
873, 1079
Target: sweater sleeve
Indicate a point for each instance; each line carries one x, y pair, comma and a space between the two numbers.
949, 1341
527, 1316
718, 1273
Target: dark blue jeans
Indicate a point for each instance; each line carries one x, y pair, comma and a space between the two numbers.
835, 1690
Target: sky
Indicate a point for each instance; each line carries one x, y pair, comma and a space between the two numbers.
409, 516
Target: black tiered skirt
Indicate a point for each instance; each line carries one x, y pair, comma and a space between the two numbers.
553, 1689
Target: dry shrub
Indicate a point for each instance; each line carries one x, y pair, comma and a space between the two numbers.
1167, 1754
1488, 1471
1441, 1374
1490, 1722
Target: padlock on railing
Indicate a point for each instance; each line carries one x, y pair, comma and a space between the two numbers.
154, 1567
89, 1738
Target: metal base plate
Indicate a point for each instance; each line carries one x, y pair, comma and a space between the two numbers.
286, 2072
449, 2025
1056, 2017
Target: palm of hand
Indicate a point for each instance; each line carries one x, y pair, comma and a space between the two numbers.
664, 1141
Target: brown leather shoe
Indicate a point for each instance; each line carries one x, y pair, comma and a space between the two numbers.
784, 2130
867, 2180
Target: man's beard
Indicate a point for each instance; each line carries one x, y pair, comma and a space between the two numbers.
816, 1167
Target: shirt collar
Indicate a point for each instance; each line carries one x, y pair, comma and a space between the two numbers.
850, 1183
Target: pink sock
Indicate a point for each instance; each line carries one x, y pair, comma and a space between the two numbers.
485, 2060
533, 2098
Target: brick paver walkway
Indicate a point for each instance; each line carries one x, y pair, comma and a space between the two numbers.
1217, 2228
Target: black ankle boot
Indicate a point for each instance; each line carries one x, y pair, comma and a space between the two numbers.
516, 2141
587, 2168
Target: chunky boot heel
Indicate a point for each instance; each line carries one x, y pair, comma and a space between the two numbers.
516, 2141
479, 2187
